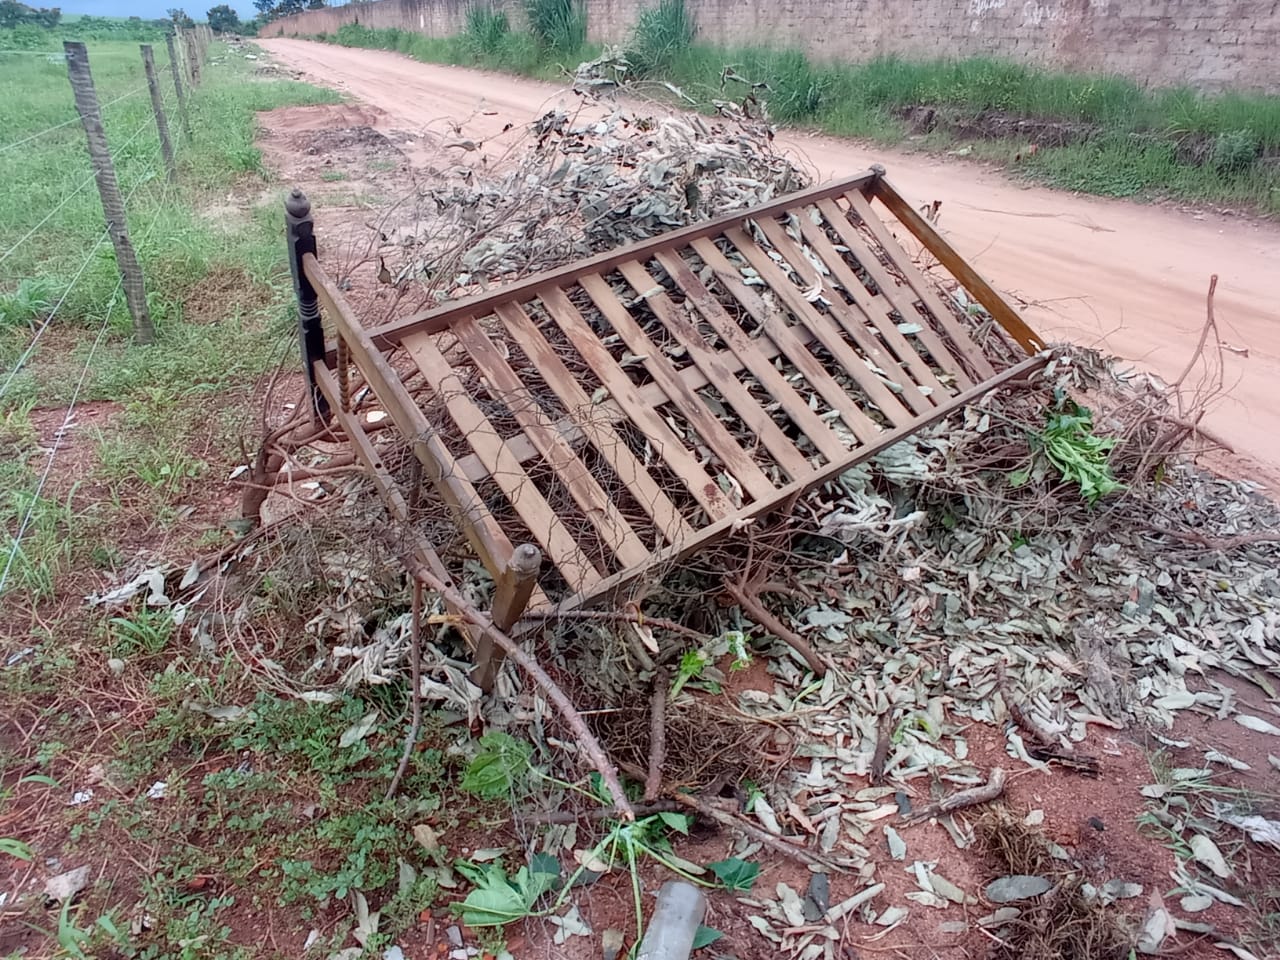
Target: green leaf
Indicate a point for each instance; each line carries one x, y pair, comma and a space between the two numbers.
492, 907
500, 766
39, 778
734, 873
678, 822
705, 936
15, 848
498, 899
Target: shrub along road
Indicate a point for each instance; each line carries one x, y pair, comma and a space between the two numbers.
1128, 277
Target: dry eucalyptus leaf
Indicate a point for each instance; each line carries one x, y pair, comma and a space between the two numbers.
1017, 887
1207, 853
1257, 724
1195, 903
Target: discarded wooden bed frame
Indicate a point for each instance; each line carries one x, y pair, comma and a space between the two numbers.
931, 359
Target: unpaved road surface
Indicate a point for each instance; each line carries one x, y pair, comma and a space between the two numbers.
1128, 277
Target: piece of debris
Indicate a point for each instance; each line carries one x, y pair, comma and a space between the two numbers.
65, 886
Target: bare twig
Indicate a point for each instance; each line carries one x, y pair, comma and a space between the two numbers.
776, 844
616, 616
884, 730
1220, 544
965, 798
599, 813
657, 737
1043, 745
415, 695
761, 615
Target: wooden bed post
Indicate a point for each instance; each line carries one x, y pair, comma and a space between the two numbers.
512, 589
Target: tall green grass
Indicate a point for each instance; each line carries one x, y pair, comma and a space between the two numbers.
661, 34
559, 26
487, 30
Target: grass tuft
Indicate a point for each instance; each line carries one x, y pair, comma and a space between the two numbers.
662, 33
487, 30
559, 26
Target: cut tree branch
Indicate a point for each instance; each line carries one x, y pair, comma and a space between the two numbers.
415, 696
657, 737
758, 612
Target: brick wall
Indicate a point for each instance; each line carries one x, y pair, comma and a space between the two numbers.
1209, 44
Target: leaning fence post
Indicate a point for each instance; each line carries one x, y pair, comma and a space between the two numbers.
300, 232
104, 172
511, 593
157, 107
177, 85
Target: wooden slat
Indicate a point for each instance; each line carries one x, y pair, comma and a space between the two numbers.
898, 297
874, 308
712, 363
538, 515
879, 394
854, 324
392, 496
588, 418
736, 461
484, 534
439, 318
969, 351
959, 268
674, 554
643, 414
751, 357
612, 527
792, 341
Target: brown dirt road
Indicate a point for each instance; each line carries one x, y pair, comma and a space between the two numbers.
1125, 276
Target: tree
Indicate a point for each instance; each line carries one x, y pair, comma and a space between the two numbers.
14, 14
180, 18
223, 19
316, 4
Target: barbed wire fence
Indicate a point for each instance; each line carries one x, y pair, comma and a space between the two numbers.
187, 52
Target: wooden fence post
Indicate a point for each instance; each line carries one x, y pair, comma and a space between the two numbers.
104, 172
157, 107
193, 57
511, 593
177, 84
300, 230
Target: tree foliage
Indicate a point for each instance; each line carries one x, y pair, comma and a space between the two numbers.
223, 19
14, 14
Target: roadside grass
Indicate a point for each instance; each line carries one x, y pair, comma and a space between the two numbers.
1122, 140
215, 798
67, 269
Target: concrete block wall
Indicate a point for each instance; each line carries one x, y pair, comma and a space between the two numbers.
1209, 44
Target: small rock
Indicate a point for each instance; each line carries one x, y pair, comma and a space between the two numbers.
611, 944
454, 935
66, 885
116, 666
